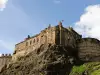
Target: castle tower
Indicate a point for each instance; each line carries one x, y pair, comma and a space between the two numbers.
60, 24
49, 26
60, 27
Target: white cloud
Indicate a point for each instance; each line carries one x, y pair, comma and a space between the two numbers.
89, 23
3, 4
57, 1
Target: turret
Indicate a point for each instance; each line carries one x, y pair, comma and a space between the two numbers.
28, 37
2, 55
49, 26
60, 28
60, 24
6, 55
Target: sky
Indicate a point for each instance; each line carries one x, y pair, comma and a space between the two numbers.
19, 18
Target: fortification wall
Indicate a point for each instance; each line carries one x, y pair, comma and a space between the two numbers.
46, 36
51, 35
4, 59
89, 49
69, 37
32, 43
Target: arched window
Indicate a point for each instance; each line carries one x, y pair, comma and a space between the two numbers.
30, 42
26, 43
34, 41
37, 39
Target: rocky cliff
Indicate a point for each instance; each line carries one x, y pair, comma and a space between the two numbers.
46, 60
51, 60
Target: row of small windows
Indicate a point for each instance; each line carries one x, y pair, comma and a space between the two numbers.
32, 41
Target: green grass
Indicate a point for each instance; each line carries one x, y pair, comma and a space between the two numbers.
78, 70
97, 72
92, 68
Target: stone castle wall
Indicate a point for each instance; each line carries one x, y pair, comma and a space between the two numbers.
88, 49
52, 35
69, 37
30, 44
66, 36
4, 59
46, 36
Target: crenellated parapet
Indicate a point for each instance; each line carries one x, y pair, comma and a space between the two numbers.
6, 55
92, 40
4, 60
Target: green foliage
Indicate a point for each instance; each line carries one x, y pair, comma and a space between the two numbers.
91, 68
77, 70
97, 72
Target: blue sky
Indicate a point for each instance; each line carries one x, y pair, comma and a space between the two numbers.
22, 17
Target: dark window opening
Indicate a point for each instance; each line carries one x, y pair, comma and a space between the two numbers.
34, 41
30, 42
26, 43
37, 39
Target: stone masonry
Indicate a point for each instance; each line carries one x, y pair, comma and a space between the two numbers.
59, 35
52, 35
4, 60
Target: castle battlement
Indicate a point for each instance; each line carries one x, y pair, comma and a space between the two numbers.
4, 60
92, 40
6, 55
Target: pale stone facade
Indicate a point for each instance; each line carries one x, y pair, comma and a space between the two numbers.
52, 35
4, 60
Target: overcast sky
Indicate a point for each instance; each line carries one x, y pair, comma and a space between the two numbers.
19, 18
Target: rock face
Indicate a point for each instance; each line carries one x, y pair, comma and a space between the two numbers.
46, 60
51, 60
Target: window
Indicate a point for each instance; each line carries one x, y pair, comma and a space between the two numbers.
26, 43
37, 39
30, 42
34, 41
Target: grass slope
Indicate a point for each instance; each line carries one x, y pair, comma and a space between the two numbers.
91, 68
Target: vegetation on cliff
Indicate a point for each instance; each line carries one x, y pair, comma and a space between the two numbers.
91, 68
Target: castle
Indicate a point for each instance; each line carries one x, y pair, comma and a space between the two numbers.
52, 35
88, 48
60, 35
